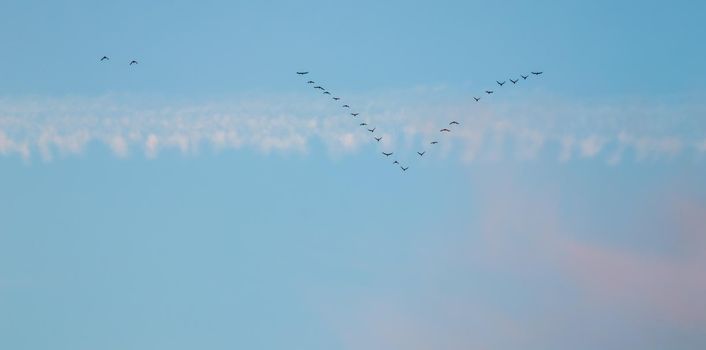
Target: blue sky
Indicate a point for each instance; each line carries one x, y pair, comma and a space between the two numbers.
208, 198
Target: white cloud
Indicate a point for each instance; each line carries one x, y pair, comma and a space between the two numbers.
591, 145
408, 121
151, 146
118, 145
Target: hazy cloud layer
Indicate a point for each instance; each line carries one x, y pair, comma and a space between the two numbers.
519, 129
529, 273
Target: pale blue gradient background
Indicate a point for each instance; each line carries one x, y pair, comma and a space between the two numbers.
301, 251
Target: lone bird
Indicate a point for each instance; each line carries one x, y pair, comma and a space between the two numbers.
363, 124
434, 142
488, 92
454, 122
499, 83
336, 98
514, 81
319, 87
421, 153
387, 154
403, 168
104, 58
346, 106
444, 130
537, 73
133, 62
355, 114
372, 130
310, 82
395, 162
476, 98
302, 73
378, 138
327, 93
524, 77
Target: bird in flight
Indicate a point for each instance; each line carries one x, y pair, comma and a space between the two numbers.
378, 138
387, 154
537, 73
454, 122
446, 130
302, 73
327, 93
499, 83
476, 98
514, 81
319, 87
310, 82
421, 153
395, 162
133, 62
372, 130
363, 124
336, 98
355, 114
524, 77
434, 142
105, 58
346, 106
403, 168
488, 92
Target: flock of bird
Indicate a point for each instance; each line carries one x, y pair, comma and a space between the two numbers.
372, 129
446, 129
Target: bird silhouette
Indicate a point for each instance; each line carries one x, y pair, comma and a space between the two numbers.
363, 124
346, 106
372, 130
105, 58
327, 93
514, 81
454, 122
537, 73
444, 130
488, 92
524, 77
355, 114
336, 98
499, 83
378, 138
395, 162
403, 168
302, 73
310, 82
421, 153
387, 154
434, 142
319, 87
133, 62
476, 98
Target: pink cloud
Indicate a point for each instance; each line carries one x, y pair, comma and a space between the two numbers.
524, 276
525, 231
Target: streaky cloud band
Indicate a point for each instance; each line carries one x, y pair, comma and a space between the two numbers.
522, 129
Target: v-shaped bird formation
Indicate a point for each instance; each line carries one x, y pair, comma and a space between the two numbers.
445, 130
